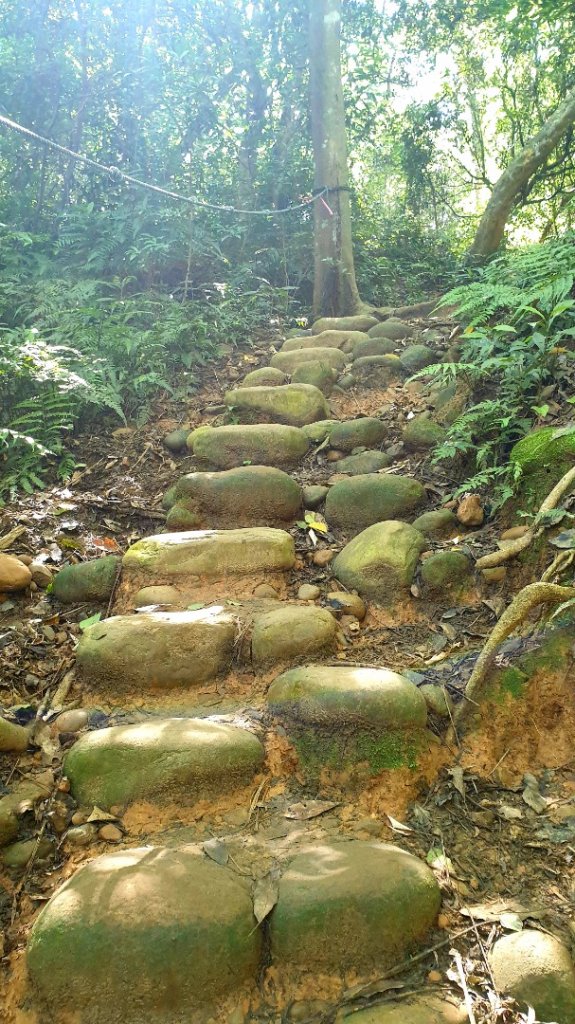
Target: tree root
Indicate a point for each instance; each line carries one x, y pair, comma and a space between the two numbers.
521, 543
526, 600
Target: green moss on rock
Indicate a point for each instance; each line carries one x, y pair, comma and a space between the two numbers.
86, 581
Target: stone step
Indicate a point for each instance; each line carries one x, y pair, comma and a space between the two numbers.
157, 934
360, 501
290, 361
346, 341
163, 650
291, 404
341, 716
380, 562
187, 759
264, 444
245, 496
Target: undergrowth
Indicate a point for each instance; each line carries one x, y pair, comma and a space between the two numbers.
519, 315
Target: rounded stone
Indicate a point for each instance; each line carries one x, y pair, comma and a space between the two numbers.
377, 371
416, 357
344, 340
333, 358
317, 374
421, 432
17, 856
291, 404
536, 968
8, 826
364, 462
212, 553
417, 1010
14, 575
360, 322
393, 329
180, 518
363, 432
176, 440
266, 376
157, 595
380, 562
191, 757
340, 698
157, 650
265, 444
361, 501
72, 721
308, 592
374, 347
437, 699
292, 632
313, 495
352, 905
145, 933
316, 433
81, 835
446, 571
86, 581
244, 496
348, 604
439, 523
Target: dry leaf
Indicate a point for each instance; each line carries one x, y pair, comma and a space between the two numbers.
99, 815
398, 826
217, 851
309, 809
266, 893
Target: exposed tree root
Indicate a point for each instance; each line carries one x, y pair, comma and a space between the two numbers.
526, 600
521, 543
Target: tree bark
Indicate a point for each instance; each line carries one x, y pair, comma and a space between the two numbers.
335, 289
489, 234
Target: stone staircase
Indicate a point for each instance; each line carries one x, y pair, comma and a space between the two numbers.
240, 908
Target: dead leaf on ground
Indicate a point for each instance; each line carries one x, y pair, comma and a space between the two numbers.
98, 814
510, 911
217, 851
307, 809
398, 826
266, 894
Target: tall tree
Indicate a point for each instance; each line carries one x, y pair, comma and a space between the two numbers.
335, 288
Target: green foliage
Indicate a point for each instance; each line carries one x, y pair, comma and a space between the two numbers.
504, 365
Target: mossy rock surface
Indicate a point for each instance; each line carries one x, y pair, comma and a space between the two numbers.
181, 518
439, 523
418, 1010
377, 371
157, 650
537, 970
214, 554
314, 495
364, 432
246, 495
380, 562
363, 462
374, 347
421, 432
86, 581
333, 358
317, 374
344, 340
290, 633
447, 572
361, 322
142, 934
176, 440
544, 447
293, 404
316, 433
184, 758
359, 502
265, 376
393, 329
264, 444
416, 357
352, 905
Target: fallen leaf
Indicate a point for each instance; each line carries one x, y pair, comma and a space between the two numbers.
217, 851
266, 893
309, 809
457, 776
97, 814
398, 826
509, 813
372, 988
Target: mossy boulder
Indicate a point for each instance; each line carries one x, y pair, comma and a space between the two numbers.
352, 905
314, 495
316, 433
264, 444
393, 329
364, 432
417, 1010
416, 357
361, 322
214, 554
242, 496
542, 448
176, 440
537, 970
439, 523
333, 358
353, 504
144, 934
290, 633
344, 340
187, 758
317, 374
363, 462
374, 347
421, 433
447, 573
180, 518
86, 581
293, 404
380, 562
377, 371
157, 650
265, 376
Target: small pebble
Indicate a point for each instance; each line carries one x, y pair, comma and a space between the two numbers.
470, 510
494, 575
443, 921
110, 834
434, 977
266, 590
349, 604
308, 592
82, 835
334, 455
72, 721
79, 817
323, 557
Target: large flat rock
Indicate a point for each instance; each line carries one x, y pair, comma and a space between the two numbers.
263, 444
245, 496
184, 758
360, 322
354, 504
213, 554
291, 634
143, 934
426, 1009
290, 361
157, 650
352, 905
344, 340
380, 562
291, 404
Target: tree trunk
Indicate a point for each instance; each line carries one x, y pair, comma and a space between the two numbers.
335, 289
489, 234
